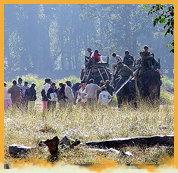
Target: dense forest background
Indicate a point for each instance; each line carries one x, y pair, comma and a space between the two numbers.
51, 40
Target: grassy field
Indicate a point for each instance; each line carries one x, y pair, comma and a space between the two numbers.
90, 125
94, 124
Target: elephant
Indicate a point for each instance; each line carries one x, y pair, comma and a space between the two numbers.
96, 75
146, 87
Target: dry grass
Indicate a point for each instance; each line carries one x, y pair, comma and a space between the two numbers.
89, 125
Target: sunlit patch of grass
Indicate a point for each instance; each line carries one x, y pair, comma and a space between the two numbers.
87, 124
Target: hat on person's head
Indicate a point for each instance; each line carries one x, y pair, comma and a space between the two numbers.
60, 84
127, 51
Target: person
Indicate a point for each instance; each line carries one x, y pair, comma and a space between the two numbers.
15, 94
91, 53
24, 99
91, 91
109, 87
44, 98
128, 60
125, 72
104, 97
31, 96
20, 82
47, 85
7, 97
82, 95
96, 56
75, 88
52, 97
20, 85
118, 59
146, 58
61, 93
68, 92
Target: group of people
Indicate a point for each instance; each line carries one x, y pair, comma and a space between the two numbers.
24, 96
19, 95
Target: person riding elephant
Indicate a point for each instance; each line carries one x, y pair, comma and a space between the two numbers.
125, 72
146, 60
128, 60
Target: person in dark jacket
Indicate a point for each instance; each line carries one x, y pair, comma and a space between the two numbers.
75, 87
15, 94
125, 72
31, 96
128, 60
61, 93
109, 88
52, 97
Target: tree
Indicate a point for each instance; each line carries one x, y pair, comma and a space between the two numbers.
164, 15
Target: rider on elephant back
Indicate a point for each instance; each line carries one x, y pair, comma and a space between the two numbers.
96, 56
125, 72
146, 60
91, 53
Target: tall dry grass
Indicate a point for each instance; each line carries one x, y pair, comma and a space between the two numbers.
89, 124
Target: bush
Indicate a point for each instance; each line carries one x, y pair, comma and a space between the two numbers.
165, 97
167, 82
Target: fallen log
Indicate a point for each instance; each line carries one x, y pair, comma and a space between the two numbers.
15, 150
135, 141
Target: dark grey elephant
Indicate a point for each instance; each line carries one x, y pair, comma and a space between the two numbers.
96, 75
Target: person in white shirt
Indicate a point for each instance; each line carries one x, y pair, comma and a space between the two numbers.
91, 91
118, 59
104, 97
68, 92
7, 97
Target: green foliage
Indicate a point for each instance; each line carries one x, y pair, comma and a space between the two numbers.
164, 15
165, 98
166, 82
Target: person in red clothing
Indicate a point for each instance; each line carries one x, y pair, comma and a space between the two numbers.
96, 56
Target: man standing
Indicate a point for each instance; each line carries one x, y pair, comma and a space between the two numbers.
31, 95
15, 94
91, 91
75, 88
68, 92
52, 97
24, 99
128, 60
